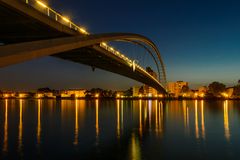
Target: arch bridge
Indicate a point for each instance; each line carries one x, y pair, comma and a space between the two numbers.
30, 29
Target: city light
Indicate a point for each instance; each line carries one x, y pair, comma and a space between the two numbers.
134, 65
96, 95
66, 19
225, 95
42, 4
149, 95
111, 49
145, 119
196, 94
104, 44
160, 95
83, 31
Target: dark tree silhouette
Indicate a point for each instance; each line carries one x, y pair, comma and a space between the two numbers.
216, 88
45, 89
185, 89
141, 90
101, 92
128, 92
236, 91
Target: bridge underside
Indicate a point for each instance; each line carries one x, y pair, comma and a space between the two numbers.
21, 23
91, 57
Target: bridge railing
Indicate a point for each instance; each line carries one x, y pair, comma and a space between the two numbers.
42, 7
51, 13
129, 61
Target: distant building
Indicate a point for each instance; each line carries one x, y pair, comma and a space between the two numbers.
45, 95
23, 95
49, 95
7, 94
203, 89
136, 91
39, 95
189, 94
229, 91
119, 94
77, 93
201, 92
150, 91
175, 88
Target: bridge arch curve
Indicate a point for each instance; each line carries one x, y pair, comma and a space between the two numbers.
16, 53
136, 39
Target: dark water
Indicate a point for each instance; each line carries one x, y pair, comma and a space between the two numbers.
119, 129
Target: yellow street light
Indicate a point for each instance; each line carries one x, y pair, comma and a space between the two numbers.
225, 95
111, 49
96, 95
196, 94
66, 19
39, 95
42, 4
160, 95
83, 30
104, 44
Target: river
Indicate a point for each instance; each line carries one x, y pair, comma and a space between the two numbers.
119, 129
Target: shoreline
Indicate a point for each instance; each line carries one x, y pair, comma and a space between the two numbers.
125, 98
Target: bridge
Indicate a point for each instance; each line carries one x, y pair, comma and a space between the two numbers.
30, 29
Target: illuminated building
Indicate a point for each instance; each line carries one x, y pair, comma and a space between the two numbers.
136, 91
203, 89
119, 94
23, 95
175, 88
71, 93
45, 95
201, 92
229, 92
7, 95
49, 95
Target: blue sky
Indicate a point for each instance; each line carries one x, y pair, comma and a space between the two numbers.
199, 41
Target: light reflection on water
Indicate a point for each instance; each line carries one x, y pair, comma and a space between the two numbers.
119, 129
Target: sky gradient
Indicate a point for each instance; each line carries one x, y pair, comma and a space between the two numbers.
199, 42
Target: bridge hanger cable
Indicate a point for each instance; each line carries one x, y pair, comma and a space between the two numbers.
135, 37
150, 52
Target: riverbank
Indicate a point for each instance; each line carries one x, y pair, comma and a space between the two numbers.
124, 98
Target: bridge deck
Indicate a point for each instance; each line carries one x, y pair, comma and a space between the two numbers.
22, 23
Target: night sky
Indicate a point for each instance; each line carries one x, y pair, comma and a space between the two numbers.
199, 41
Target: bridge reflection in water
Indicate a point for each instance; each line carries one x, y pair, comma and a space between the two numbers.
79, 124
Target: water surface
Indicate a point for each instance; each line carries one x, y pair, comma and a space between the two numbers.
119, 129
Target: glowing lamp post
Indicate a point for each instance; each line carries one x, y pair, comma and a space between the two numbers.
97, 95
